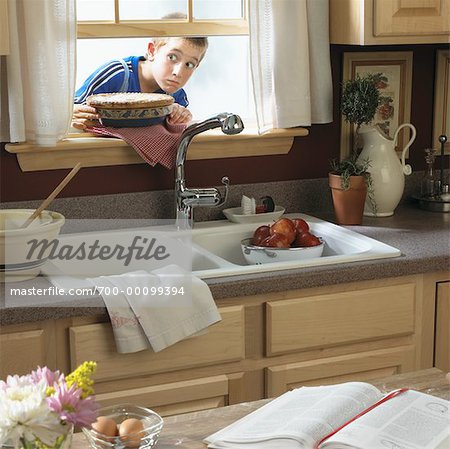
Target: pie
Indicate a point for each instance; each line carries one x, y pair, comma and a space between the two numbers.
129, 100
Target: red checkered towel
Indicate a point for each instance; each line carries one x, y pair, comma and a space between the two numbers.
156, 144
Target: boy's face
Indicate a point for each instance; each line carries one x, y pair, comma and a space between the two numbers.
174, 63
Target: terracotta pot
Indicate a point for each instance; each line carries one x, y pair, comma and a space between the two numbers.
348, 204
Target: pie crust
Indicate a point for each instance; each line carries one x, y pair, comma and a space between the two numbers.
129, 100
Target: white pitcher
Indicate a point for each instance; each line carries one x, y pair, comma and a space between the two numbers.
385, 169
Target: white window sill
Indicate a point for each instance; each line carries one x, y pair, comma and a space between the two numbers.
94, 151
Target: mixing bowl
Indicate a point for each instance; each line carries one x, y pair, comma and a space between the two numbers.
18, 260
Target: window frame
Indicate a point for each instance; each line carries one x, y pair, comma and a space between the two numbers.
96, 151
159, 28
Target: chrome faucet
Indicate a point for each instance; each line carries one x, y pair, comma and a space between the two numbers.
187, 198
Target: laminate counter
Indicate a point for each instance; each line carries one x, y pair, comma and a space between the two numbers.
422, 237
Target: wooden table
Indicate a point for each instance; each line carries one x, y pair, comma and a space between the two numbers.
187, 431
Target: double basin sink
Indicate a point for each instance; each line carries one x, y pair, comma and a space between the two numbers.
214, 250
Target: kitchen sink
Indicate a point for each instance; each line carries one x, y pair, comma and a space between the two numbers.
212, 249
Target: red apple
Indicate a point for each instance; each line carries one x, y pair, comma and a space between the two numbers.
260, 234
300, 225
276, 241
286, 227
306, 239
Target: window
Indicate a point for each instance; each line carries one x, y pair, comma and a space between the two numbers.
222, 81
109, 29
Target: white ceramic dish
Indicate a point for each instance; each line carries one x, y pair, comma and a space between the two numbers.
258, 254
235, 215
17, 263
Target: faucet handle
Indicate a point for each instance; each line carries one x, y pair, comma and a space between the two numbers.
224, 197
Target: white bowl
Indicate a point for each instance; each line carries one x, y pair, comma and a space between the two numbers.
256, 255
17, 261
235, 215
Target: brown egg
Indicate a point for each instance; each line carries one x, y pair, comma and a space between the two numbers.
106, 426
131, 432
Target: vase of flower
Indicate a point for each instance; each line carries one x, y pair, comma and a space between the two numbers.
63, 441
41, 409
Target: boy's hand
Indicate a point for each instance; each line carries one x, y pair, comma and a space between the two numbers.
179, 115
83, 116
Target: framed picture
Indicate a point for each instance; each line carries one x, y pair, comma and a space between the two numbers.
395, 88
441, 118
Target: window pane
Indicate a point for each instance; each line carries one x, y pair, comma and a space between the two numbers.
92, 53
150, 9
95, 10
218, 85
218, 9
222, 84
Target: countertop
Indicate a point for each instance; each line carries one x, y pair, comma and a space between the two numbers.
423, 238
188, 431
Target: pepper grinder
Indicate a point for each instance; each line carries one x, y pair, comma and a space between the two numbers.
444, 187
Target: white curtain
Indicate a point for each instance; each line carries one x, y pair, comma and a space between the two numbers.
38, 76
290, 62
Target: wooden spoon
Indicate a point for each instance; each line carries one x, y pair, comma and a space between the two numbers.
52, 196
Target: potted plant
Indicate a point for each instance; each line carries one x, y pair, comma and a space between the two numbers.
349, 180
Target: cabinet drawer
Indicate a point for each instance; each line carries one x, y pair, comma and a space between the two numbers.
174, 398
339, 318
224, 342
347, 368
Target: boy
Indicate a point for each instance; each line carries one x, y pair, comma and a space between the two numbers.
166, 68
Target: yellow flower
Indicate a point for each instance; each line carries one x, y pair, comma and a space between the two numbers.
81, 377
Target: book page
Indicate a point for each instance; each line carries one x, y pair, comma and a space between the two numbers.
411, 420
304, 415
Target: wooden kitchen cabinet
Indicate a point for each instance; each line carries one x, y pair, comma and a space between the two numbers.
361, 333
442, 340
4, 28
384, 22
25, 346
264, 345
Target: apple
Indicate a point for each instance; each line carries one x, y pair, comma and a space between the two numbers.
306, 239
286, 227
300, 225
276, 241
260, 234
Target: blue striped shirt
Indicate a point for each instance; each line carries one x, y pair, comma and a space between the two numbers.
109, 78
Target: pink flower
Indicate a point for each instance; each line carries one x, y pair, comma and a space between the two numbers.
51, 377
67, 402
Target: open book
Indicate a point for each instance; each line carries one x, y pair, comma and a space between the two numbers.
324, 418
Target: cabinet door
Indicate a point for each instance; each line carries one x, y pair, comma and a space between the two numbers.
4, 29
175, 397
411, 17
353, 367
23, 350
442, 338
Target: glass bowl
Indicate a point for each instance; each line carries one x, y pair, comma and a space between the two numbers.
144, 439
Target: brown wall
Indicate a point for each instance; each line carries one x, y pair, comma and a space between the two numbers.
308, 158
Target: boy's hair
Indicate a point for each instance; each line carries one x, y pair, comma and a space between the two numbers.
200, 41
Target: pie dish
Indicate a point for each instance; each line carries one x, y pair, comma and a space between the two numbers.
130, 109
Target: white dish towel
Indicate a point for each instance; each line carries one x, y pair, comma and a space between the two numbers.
170, 305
